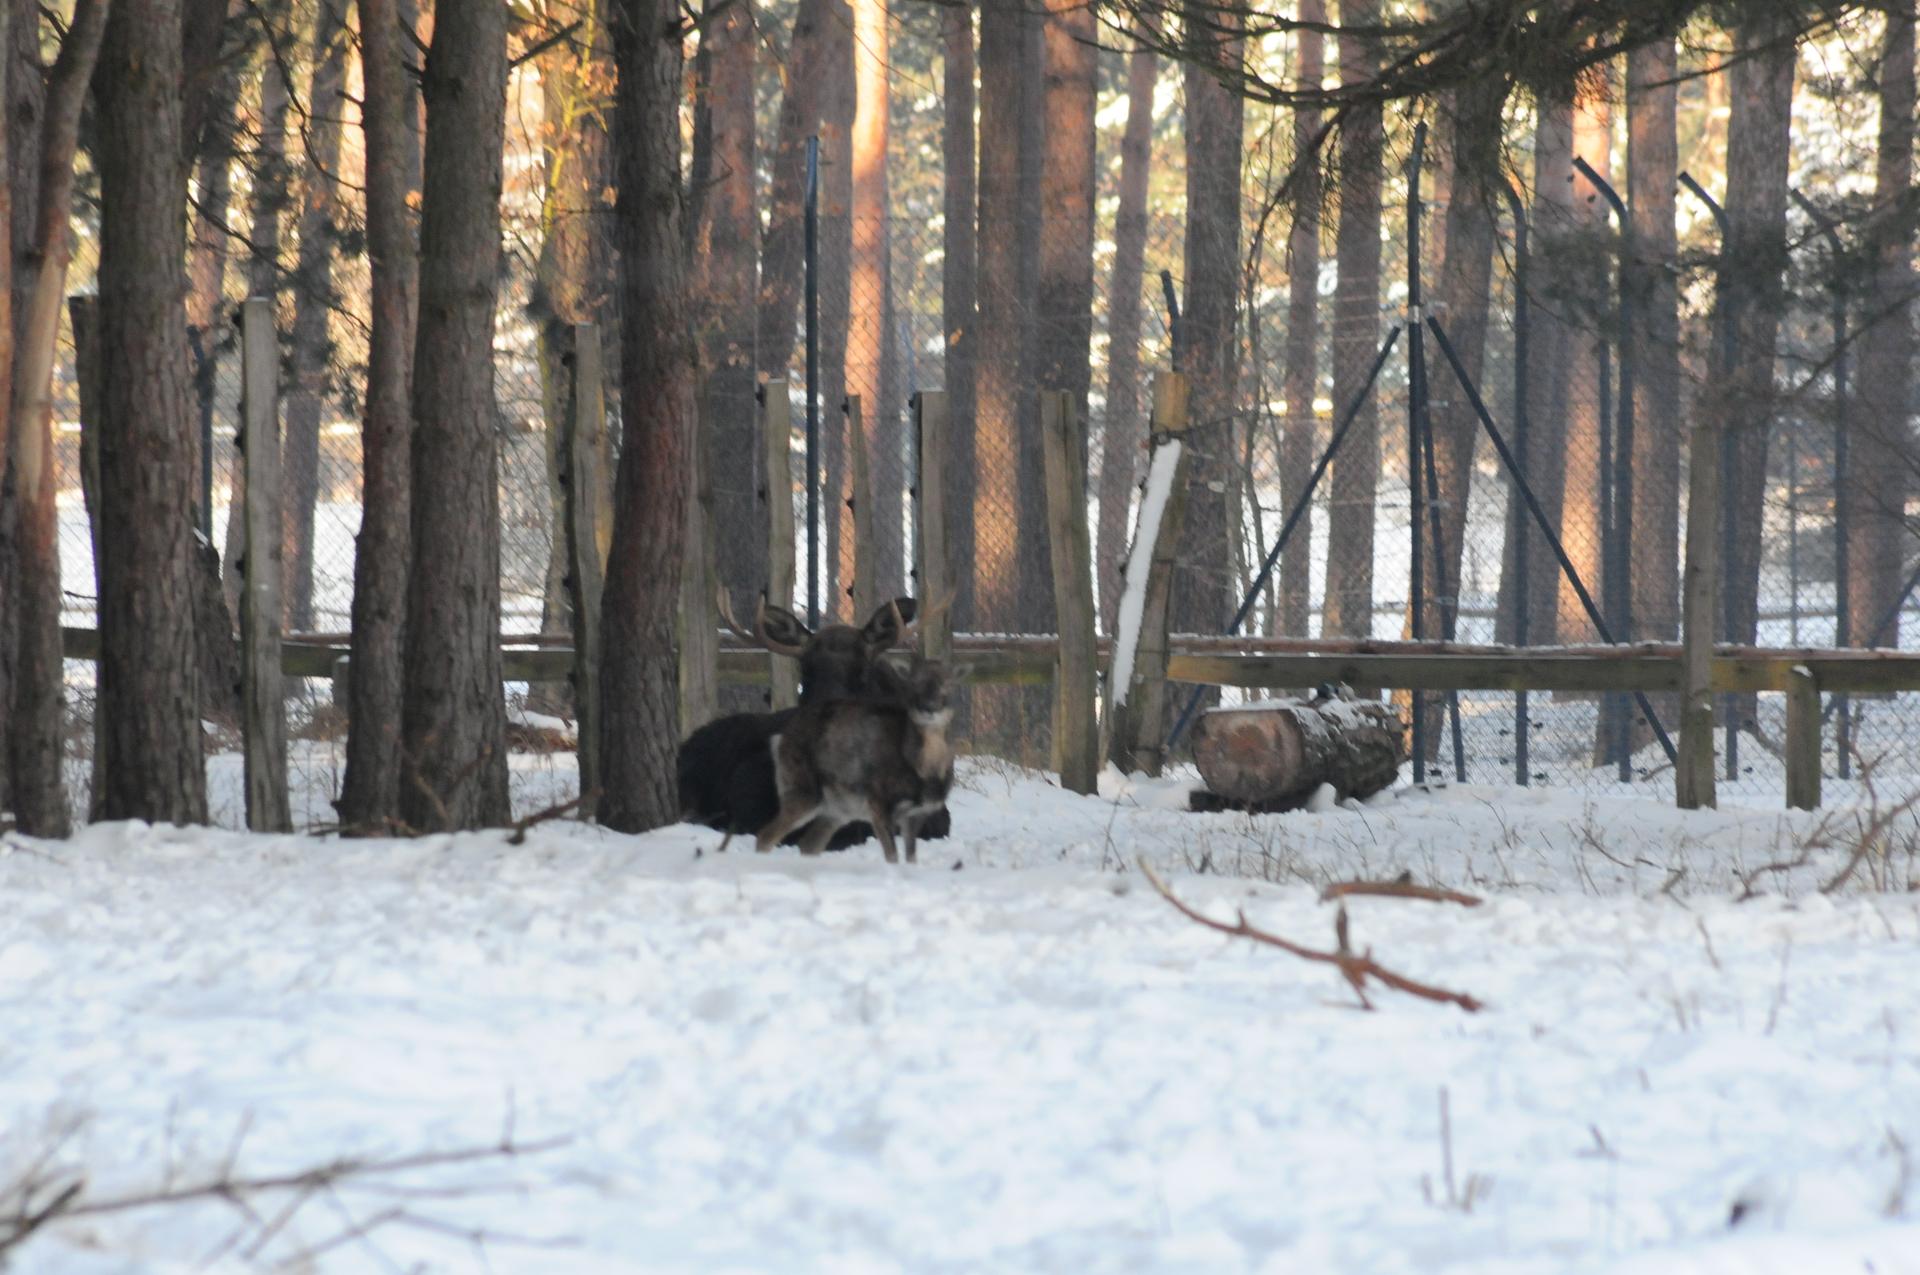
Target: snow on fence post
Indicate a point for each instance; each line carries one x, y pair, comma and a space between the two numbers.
933, 572
85, 313
1693, 778
263, 704
1803, 739
585, 424
863, 587
776, 430
1076, 735
699, 626
1137, 680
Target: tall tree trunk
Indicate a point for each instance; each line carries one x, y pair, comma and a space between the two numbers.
212, 241
1549, 219
453, 718
1588, 327
997, 526
1355, 473
871, 358
640, 693
1652, 162
959, 294
35, 296
270, 196
149, 694
1301, 378
1201, 598
727, 240
1758, 138
1465, 281
1123, 438
835, 262
1882, 452
1035, 608
370, 790
312, 303
1066, 201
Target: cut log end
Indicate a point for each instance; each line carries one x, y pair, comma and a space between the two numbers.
1274, 755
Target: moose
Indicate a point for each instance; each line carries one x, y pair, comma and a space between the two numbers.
885, 758
726, 768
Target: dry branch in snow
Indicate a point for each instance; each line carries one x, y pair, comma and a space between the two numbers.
1356, 967
1399, 889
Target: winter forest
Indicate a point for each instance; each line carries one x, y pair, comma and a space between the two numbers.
909, 635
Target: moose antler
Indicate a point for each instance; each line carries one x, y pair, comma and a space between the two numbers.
909, 633
759, 636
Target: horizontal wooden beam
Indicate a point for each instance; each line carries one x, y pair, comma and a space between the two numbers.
1030, 661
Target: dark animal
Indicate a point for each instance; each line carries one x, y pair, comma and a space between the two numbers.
726, 774
884, 758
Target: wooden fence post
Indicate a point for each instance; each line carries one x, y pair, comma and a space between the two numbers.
699, 627
776, 419
586, 423
1803, 739
1693, 777
865, 589
933, 568
1076, 737
1137, 679
263, 705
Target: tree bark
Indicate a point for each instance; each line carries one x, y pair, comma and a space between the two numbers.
783, 249
835, 262
453, 718
640, 690
1202, 588
1587, 322
726, 241
1548, 219
959, 292
1299, 446
370, 790
312, 303
1355, 473
1123, 442
149, 694
1464, 283
1753, 298
871, 361
36, 293
1881, 453
1652, 163
997, 526
1035, 604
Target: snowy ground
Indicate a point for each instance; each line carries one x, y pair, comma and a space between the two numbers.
1012, 1057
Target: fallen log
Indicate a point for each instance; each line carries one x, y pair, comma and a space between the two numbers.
1274, 755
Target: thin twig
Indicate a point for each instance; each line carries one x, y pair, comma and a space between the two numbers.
520, 829
1357, 967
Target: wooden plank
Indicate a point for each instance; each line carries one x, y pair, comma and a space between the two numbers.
263, 705
1137, 695
1693, 776
776, 431
1803, 739
864, 589
933, 566
1076, 731
586, 567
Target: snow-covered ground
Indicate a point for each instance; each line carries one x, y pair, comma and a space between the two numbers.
1012, 1057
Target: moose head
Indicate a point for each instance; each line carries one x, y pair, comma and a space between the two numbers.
838, 661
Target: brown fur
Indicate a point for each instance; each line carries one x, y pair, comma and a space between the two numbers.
885, 759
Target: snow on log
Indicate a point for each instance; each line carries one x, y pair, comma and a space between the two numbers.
1273, 755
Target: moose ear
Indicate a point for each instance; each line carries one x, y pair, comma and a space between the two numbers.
783, 626
883, 627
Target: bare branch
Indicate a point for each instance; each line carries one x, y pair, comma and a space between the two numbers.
1399, 890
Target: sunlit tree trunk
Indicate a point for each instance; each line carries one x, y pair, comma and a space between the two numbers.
871, 361
1589, 323
998, 528
1123, 439
1301, 379
959, 292
1652, 164
453, 720
1355, 473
